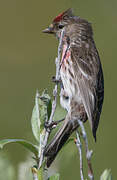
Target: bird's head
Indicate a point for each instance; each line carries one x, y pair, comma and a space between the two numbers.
73, 25
59, 22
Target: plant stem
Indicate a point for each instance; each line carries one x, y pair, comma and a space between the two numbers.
88, 152
35, 174
54, 103
79, 146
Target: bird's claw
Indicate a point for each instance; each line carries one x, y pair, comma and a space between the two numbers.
52, 125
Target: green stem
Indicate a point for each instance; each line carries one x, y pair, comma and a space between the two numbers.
37, 174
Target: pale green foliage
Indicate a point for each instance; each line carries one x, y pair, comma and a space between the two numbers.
7, 171
106, 175
54, 177
24, 169
40, 114
31, 147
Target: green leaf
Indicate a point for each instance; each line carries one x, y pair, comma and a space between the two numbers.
31, 147
41, 113
54, 177
35, 124
45, 107
106, 175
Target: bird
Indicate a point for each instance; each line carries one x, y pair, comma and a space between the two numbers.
82, 91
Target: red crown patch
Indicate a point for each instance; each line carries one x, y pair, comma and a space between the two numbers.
58, 18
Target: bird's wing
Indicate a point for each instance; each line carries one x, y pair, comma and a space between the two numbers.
89, 77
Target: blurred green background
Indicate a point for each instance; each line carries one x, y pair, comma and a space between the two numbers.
27, 63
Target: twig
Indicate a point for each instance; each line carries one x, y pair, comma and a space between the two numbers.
54, 103
79, 145
88, 152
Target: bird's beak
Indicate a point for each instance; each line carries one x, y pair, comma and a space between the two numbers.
48, 30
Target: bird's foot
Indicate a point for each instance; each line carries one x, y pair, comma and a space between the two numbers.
53, 124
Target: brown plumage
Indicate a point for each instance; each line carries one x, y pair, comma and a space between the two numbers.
81, 73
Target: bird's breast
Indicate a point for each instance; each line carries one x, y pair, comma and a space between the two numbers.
67, 73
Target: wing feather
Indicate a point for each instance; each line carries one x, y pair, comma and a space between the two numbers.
89, 77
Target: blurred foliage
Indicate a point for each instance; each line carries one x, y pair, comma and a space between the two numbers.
24, 168
40, 115
54, 177
106, 175
27, 63
7, 171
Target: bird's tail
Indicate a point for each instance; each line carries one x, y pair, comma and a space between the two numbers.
60, 138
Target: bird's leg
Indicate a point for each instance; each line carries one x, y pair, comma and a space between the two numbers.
88, 152
53, 124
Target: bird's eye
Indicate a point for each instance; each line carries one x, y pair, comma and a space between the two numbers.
61, 26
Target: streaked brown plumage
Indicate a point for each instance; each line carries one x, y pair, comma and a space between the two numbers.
82, 78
